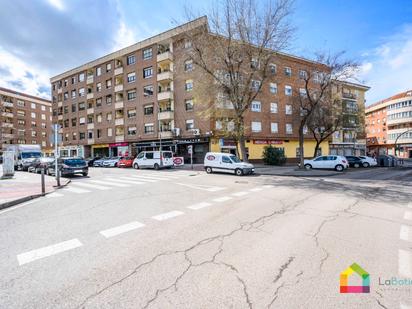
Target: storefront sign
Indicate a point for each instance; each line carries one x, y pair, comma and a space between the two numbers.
100, 146
118, 145
178, 161
267, 142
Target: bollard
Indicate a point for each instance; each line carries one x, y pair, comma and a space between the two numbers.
58, 177
43, 187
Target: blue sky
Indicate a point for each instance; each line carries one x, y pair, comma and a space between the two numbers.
60, 34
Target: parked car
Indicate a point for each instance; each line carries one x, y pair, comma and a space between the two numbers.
125, 162
354, 161
338, 163
99, 162
368, 161
154, 159
111, 162
40, 163
70, 167
90, 161
226, 163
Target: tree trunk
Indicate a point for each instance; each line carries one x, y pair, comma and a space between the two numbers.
301, 150
242, 146
315, 153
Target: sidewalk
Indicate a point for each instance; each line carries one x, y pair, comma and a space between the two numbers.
24, 186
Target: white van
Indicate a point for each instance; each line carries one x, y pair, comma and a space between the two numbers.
226, 163
153, 159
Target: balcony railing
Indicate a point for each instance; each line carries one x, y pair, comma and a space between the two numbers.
165, 95
165, 75
90, 79
165, 115
118, 71
348, 95
118, 88
7, 104
165, 56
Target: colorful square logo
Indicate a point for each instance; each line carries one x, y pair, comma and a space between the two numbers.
354, 268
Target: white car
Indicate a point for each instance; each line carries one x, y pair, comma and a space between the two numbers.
154, 159
338, 163
368, 161
111, 162
226, 163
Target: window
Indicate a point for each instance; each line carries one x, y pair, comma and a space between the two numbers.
256, 126
288, 71
147, 53
89, 118
289, 128
43, 108
82, 106
188, 44
305, 129
33, 105
65, 83
73, 94
148, 109
256, 106
98, 102
148, 128
148, 90
81, 92
131, 95
302, 92
43, 116
99, 133
109, 132
74, 122
274, 127
273, 108
109, 117
82, 135
288, 109
99, 71
303, 74
189, 85
255, 85
131, 77
81, 77
33, 133
109, 99
65, 109
131, 113
273, 87
148, 72
21, 113
288, 90
188, 65
20, 103
254, 64
66, 96
226, 159
108, 83
33, 115
99, 87
82, 121
189, 104
131, 131
131, 59
272, 68
108, 67
190, 124
33, 124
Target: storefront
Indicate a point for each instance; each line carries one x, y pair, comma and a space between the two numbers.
348, 149
119, 150
100, 150
71, 151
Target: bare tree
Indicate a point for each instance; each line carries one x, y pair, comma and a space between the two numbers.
317, 90
234, 52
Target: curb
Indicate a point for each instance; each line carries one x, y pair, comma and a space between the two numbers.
289, 175
29, 197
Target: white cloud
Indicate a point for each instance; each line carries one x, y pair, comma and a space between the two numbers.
387, 68
124, 37
58, 4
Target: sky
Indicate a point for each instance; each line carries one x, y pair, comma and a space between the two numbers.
42, 38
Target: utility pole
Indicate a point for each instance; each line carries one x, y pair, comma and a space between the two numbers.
56, 154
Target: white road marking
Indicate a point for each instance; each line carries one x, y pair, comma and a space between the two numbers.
132, 177
404, 306
241, 193
121, 229
37, 254
255, 189
405, 263
76, 190
168, 215
268, 186
410, 205
126, 181
110, 183
199, 205
17, 206
54, 194
222, 199
201, 187
154, 177
161, 176
90, 185
405, 233
408, 215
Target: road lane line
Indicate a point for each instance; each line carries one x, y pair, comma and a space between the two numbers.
17, 206
75, 190
222, 199
54, 194
110, 183
241, 193
168, 215
37, 254
408, 215
405, 233
199, 205
255, 189
121, 229
90, 185
405, 263
126, 181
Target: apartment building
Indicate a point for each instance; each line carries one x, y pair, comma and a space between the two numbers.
142, 96
389, 122
350, 139
25, 119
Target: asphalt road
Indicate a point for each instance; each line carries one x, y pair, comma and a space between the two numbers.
182, 239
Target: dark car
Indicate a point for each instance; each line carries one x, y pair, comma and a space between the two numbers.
71, 166
40, 163
90, 161
354, 161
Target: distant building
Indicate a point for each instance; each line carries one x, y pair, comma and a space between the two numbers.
388, 122
25, 119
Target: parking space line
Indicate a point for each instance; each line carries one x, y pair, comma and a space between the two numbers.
75, 190
168, 215
121, 229
408, 215
111, 183
405, 263
241, 193
37, 254
89, 185
222, 199
405, 233
199, 205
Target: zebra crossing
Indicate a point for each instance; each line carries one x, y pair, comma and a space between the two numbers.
82, 186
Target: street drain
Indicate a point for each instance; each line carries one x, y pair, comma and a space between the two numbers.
241, 181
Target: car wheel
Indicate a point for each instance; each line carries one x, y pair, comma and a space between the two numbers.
156, 166
85, 174
115, 165
356, 165
339, 168
308, 166
365, 164
239, 172
136, 166
209, 170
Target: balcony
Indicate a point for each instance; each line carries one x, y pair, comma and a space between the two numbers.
90, 96
165, 115
165, 95
119, 122
119, 138
166, 56
7, 125
8, 136
90, 111
118, 105
165, 75
348, 95
118, 71
60, 117
166, 134
7, 104
90, 79
7, 114
118, 88
59, 104
60, 90
90, 141
90, 126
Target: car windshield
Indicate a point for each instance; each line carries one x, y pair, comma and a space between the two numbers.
235, 159
167, 154
72, 162
27, 155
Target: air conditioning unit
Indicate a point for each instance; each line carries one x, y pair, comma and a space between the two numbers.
176, 131
196, 131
